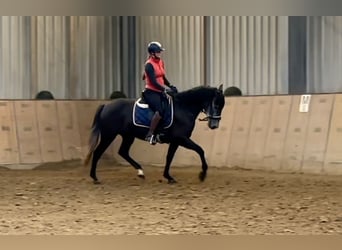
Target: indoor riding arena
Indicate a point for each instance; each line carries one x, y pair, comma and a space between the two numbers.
270, 172
274, 162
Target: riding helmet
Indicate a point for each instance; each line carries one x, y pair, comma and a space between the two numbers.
155, 47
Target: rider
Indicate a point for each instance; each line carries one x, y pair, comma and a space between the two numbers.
155, 87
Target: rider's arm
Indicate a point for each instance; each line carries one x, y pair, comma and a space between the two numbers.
167, 83
151, 75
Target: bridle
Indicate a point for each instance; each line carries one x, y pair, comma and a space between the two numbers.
213, 117
209, 116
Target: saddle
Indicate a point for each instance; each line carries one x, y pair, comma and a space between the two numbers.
142, 114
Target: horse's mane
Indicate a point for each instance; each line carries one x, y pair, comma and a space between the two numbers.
196, 94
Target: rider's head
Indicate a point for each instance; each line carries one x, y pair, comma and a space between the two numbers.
154, 49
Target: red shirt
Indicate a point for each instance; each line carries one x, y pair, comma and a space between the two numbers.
159, 71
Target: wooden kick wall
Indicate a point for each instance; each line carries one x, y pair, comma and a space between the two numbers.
256, 132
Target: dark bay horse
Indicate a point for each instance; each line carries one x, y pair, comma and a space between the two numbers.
116, 118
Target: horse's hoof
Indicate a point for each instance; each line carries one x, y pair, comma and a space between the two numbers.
171, 181
141, 176
202, 176
96, 182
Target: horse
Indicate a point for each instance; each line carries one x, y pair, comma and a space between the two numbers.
116, 118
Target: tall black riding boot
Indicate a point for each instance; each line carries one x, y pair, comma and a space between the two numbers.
151, 138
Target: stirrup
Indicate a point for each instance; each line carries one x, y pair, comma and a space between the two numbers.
151, 139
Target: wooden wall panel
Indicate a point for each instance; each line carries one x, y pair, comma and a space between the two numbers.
27, 132
317, 133
333, 156
258, 132
295, 138
8, 134
48, 130
69, 130
240, 132
276, 136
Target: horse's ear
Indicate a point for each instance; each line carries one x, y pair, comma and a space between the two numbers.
220, 87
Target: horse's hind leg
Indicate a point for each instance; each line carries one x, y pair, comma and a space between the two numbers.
105, 141
126, 144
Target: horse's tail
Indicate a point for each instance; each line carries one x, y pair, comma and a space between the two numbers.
95, 135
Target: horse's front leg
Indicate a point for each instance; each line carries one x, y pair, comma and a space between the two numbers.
170, 154
190, 144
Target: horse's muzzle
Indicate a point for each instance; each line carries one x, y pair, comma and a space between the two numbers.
213, 123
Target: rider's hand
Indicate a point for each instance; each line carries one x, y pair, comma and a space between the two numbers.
174, 89
168, 90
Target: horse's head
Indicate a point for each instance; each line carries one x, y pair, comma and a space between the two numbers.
214, 108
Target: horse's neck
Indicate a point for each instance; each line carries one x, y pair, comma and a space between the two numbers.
195, 100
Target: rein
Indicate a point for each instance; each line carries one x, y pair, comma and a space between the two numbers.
203, 119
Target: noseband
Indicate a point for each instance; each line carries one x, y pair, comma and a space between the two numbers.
214, 117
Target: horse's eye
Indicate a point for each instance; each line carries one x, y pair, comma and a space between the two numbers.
216, 104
